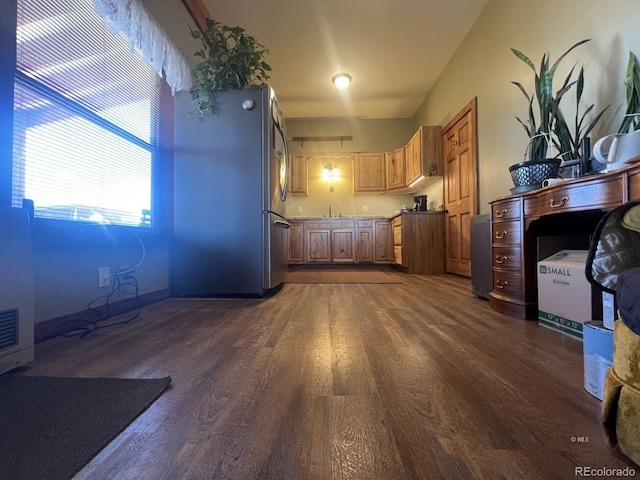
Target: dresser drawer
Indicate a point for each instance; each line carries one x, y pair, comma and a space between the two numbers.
603, 194
397, 221
504, 211
397, 235
506, 233
507, 283
634, 185
507, 258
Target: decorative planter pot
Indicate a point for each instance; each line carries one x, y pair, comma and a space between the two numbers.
529, 175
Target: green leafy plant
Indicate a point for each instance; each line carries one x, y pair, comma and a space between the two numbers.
231, 59
633, 96
569, 143
540, 128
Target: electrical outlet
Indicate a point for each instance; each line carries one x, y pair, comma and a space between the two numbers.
104, 277
300, 209
365, 208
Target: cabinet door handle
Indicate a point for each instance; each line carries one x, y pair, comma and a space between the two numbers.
501, 235
500, 214
500, 284
501, 259
563, 202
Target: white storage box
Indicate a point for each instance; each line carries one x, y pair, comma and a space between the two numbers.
598, 356
564, 294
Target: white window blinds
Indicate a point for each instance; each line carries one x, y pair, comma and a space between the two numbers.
86, 117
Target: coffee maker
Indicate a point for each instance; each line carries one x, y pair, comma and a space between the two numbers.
420, 203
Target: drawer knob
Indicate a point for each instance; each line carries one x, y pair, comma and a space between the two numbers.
500, 284
501, 259
500, 235
501, 213
563, 202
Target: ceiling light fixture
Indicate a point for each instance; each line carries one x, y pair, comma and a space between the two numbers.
341, 80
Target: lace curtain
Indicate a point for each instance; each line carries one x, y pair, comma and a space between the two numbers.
131, 19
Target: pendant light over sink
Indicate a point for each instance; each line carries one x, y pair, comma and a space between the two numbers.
341, 80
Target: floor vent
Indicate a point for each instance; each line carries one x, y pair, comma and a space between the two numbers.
8, 328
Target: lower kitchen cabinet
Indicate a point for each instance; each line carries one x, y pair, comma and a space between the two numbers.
364, 241
418, 242
296, 242
383, 242
318, 245
339, 240
342, 246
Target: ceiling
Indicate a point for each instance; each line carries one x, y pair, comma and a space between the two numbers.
394, 50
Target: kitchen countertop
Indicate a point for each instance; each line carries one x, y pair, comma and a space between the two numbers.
366, 217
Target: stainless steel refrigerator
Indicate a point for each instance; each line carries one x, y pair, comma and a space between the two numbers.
230, 184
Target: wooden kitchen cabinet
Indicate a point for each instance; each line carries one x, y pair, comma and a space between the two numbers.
318, 243
423, 154
329, 241
418, 242
296, 242
342, 245
369, 173
364, 241
298, 178
383, 242
340, 240
395, 168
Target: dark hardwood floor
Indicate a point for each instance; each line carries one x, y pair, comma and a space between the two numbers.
419, 380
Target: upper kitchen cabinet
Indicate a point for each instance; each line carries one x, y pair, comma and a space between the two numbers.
396, 170
369, 173
298, 179
423, 160
424, 154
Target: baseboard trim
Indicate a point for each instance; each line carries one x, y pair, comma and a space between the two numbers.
49, 328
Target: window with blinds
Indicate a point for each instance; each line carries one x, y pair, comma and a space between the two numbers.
86, 118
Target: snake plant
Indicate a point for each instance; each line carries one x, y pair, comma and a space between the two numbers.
540, 128
633, 96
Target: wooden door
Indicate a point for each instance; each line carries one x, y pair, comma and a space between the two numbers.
460, 187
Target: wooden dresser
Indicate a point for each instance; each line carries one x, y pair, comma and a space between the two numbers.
571, 208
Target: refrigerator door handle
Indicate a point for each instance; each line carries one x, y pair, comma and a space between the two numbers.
281, 223
277, 215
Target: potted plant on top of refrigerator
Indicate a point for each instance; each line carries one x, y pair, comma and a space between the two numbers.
548, 128
230, 59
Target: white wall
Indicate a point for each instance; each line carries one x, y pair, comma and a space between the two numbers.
484, 66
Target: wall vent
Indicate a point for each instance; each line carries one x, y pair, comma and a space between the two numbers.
8, 328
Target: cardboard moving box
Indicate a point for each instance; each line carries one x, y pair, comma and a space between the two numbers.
564, 294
